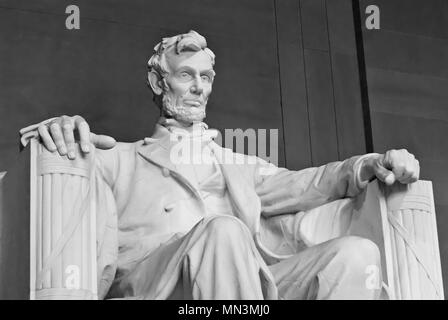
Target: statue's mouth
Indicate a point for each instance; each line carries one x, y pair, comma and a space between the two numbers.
193, 103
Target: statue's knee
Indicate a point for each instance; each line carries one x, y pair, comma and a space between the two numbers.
358, 252
226, 229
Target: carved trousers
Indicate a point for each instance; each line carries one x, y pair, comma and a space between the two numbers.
218, 259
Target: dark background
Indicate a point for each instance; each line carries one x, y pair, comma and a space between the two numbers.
308, 68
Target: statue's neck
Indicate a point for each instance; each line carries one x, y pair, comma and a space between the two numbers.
171, 123
188, 126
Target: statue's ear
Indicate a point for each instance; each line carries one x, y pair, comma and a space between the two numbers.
155, 81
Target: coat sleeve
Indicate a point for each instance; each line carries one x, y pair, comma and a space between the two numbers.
285, 191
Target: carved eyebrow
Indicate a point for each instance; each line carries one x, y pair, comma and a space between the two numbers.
191, 70
181, 69
209, 72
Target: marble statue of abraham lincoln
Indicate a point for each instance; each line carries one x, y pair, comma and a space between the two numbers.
200, 230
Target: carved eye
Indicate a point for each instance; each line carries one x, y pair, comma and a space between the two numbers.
184, 75
206, 78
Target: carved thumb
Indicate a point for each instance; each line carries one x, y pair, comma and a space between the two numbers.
102, 141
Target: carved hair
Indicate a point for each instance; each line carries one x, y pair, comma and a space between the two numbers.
187, 42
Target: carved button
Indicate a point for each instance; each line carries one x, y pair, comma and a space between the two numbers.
169, 207
165, 172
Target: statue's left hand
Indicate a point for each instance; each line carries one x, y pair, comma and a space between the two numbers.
394, 165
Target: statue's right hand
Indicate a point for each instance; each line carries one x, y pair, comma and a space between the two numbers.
60, 134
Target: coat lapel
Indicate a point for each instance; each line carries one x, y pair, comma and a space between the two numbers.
157, 150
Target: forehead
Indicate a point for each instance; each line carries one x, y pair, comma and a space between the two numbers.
196, 60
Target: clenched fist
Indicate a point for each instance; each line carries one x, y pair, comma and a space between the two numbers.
60, 133
394, 165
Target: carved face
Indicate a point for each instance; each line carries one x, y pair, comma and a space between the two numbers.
189, 84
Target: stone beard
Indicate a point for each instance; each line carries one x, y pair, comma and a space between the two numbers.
182, 113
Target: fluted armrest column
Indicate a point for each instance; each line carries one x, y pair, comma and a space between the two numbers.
401, 220
63, 225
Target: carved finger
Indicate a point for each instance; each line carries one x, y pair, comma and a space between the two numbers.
413, 178
69, 137
390, 179
384, 174
58, 138
46, 138
416, 174
387, 161
84, 133
406, 177
398, 168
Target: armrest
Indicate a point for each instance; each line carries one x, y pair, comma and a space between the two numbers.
401, 220
62, 226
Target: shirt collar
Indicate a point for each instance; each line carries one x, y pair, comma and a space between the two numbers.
165, 127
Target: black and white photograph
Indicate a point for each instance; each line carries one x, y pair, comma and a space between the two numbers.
233, 150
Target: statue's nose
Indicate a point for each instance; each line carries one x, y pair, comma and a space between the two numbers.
197, 87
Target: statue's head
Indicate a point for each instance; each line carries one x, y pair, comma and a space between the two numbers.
181, 76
